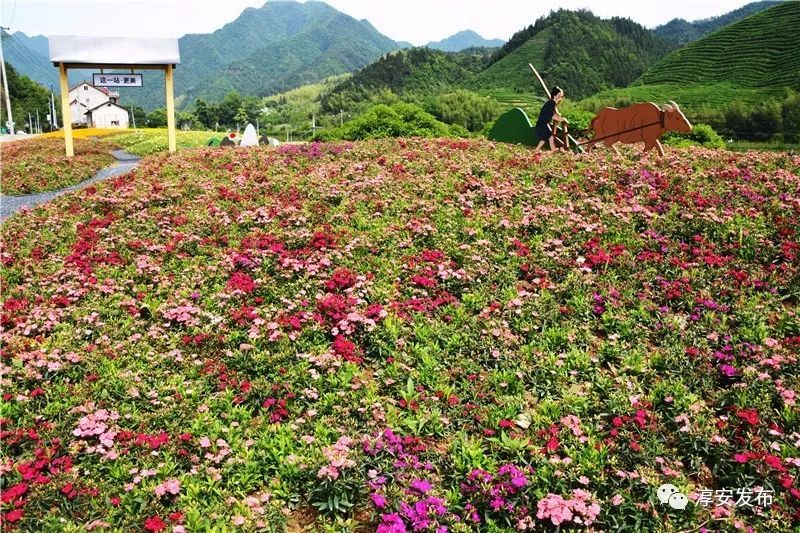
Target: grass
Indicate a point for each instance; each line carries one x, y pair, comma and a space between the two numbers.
152, 140
696, 98
770, 146
529, 101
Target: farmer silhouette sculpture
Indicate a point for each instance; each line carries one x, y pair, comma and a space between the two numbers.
549, 113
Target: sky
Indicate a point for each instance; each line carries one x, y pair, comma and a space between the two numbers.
415, 21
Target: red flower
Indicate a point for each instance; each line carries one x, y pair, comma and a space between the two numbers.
341, 279
775, 463
14, 516
176, 516
155, 524
242, 282
346, 349
14, 492
116, 500
748, 415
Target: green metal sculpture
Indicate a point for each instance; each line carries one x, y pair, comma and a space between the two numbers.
515, 127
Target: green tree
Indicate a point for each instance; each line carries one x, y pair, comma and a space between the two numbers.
184, 119
464, 108
252, 107
157, 118
207, 114
139, 116
790, 115
240, 119
229, 107
766, 121
27, 96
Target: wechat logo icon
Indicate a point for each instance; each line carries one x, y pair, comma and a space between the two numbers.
669, 494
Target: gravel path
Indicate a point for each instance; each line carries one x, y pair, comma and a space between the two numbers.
11, 204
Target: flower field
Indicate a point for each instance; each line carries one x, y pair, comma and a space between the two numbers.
406, 335
38, 165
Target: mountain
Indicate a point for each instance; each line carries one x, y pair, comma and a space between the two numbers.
749, 62
463, 40
759, 51
282, 45
680, 32
29, 56
575, 50
279, 46
418, 71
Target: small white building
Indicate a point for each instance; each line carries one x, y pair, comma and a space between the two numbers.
108, 115
85, 97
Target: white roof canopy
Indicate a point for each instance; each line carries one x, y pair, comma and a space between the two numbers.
113, 50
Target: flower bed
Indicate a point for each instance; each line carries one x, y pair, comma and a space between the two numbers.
39, 165
405, 335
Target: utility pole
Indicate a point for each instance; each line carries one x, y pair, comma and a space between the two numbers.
5, 86
38, 124
133, 117
30, 123
53, 108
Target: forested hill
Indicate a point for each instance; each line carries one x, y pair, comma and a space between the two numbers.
680, 31
577, 50
417, 71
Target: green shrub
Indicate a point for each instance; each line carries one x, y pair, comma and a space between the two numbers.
790, 114
380, 121
579, 118
469, 110
701, 135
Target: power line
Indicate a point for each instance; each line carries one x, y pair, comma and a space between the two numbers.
13, 14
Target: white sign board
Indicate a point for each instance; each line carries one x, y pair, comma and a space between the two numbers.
114, 50
117, 80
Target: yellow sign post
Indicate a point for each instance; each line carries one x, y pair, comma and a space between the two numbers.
114, 53
65, 113
170, 109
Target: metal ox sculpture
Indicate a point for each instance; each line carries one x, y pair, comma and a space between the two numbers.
644, 122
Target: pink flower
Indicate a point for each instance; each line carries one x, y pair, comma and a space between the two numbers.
205, 442
238, 520
554, 507
379, 500
170, 486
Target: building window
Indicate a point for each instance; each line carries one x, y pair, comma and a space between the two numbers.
85, 87
115, 122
